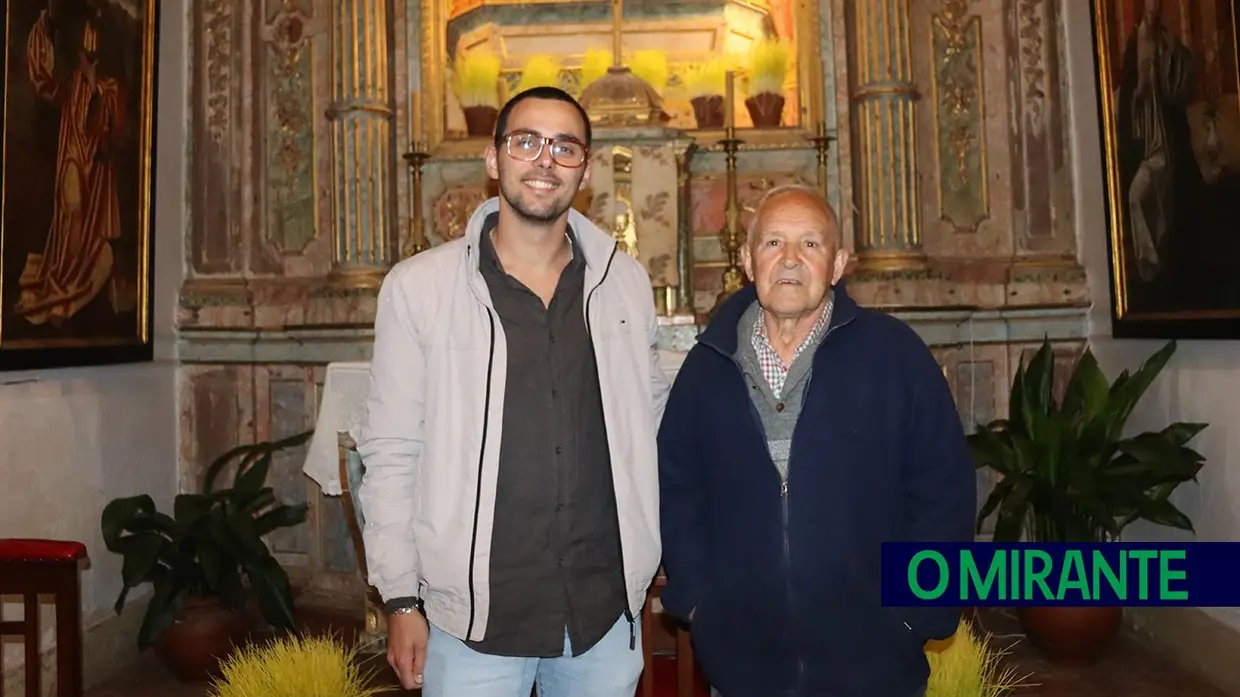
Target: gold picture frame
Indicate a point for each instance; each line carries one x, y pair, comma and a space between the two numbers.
1171, 164
76, 189
431, 101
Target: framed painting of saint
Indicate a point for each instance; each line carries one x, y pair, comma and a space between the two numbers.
1168, 87
76, 185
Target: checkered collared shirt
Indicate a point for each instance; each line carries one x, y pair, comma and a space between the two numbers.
773, 367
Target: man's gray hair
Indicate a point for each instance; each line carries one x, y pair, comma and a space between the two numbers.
810, 192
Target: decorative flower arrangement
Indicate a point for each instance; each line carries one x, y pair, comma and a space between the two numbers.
594, 65
705, 84
769, 62
651, 66
539, 71
475, 82
968, 667
293, 666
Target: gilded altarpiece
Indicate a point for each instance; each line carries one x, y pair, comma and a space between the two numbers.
948, 165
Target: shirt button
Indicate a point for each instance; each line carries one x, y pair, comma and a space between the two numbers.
559, 450
779, 407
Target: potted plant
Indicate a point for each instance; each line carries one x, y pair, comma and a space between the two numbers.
1069, 474
475, 82
207, 561
768, 68
705, 83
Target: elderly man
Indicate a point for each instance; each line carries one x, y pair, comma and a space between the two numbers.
801, 433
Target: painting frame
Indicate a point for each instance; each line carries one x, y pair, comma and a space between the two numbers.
103, 314
1154, 321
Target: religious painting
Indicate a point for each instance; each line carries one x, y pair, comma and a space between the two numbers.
76, 185
1168, 86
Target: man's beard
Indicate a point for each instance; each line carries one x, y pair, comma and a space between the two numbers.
529, 215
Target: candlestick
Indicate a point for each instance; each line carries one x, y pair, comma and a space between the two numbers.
416, 242
727, 108
617, 14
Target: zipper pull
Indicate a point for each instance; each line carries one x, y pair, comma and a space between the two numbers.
632, 634
783, 488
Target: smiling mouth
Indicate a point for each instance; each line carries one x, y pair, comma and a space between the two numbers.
541, 185
787, 282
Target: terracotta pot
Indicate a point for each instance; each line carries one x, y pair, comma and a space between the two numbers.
766, 109
708, 111
480, 120
1071, 636
206, 634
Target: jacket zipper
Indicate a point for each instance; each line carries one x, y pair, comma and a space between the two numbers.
486, 417
783, 496
624, 580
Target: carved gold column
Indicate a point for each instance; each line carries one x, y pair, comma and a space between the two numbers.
884, 99
361, 129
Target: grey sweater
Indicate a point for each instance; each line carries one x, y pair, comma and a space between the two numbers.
778, 414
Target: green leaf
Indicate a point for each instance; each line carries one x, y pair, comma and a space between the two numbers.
121, 514
997, 495
1182, 433
280, 517
1086, 394
250, 480
274, 592
141, 554
166, 606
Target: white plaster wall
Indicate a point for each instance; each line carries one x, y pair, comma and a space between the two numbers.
70, 440
1202, 379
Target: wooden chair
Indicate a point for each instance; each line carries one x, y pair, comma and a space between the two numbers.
686, 677
31, 568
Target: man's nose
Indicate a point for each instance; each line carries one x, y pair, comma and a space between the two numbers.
544, 158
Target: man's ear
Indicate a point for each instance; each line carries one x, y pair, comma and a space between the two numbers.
841, 263
747, 260
585, 176
491, 158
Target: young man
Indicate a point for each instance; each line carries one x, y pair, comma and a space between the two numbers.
803, 432
511, 485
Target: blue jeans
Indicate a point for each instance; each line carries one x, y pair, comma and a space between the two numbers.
608, 669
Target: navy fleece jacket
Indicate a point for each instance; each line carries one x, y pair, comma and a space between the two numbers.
784, 586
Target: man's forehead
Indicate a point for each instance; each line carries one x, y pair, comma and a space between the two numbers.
783, 217
546, 117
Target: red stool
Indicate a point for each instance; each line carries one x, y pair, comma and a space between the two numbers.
31, 568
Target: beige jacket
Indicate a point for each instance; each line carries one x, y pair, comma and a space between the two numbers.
430, 440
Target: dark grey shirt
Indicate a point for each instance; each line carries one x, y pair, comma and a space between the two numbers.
555, 549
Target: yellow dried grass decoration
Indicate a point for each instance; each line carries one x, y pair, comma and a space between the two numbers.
651, 66
969, 667
290, 666
594, 65
475, 78
539, 71
706, 79
769, 61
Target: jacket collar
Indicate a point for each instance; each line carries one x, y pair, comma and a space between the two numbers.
597, 247
721, 332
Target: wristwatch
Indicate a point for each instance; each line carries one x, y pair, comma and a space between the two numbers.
404, 606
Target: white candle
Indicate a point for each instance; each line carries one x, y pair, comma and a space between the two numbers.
727, 105
416, 107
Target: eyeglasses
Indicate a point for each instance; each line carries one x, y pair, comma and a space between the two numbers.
528, 147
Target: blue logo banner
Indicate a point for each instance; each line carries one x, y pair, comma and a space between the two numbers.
988, 574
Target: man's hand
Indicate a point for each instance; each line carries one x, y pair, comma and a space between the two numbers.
408, 634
